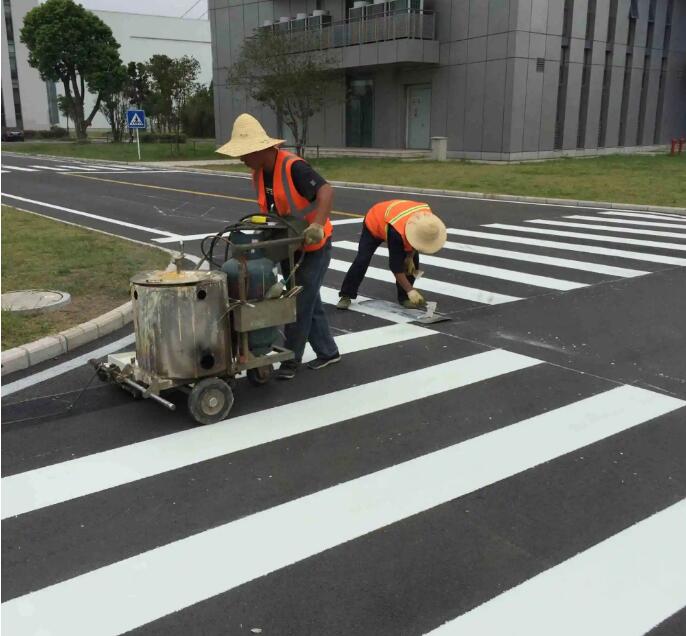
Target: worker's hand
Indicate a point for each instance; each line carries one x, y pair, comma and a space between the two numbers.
313, 234
410, 268
416, 298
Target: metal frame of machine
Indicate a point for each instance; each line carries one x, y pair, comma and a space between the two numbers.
208, 377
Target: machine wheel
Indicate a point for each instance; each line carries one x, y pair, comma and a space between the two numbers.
260, 375
210, 400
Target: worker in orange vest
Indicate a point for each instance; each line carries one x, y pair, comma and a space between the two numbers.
287, 184
409, 227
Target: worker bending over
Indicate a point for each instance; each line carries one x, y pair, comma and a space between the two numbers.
286, 183
409, 227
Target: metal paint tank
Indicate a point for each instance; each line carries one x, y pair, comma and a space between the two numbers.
181, 323
261, 277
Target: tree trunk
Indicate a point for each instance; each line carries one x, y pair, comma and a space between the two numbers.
77, 102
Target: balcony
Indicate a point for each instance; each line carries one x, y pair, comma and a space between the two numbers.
390, 37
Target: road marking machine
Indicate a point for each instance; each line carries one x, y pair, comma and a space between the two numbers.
198, 330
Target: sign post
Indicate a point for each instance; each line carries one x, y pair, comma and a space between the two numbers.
135, 120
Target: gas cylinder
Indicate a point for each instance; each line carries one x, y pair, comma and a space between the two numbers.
261, 276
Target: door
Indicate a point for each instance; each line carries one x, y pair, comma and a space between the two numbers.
418, 116
359, 113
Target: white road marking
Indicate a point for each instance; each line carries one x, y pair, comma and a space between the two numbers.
147, 587
96, 217
435, 286
54, 484
627, 585
608, 228
574, 247
347, 221
330, 297
482, 270
646, 215
50, 168
20, 168
528, 257
82, 168
677, 226
588, 237
59, 369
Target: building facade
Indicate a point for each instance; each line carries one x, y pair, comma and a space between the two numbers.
500, 79
27, 101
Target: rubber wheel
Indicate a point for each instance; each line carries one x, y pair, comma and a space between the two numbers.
210, 400
260, 375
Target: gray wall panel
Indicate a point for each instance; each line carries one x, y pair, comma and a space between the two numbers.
594, 97
579, 19
614, 106
494, 105
532, 109
499, 15
518, 104
474, 106
478, 18
549, 107
572, 106
459, 20
439, 102
622, 28
555, 16
537, 44
507, 121
539, 15
496, 48
457, 91
476, 49
602, 16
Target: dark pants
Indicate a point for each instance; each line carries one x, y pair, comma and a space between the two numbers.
365, 251
311, 324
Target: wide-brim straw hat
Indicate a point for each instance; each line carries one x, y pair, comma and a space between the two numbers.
426, 233
247, 136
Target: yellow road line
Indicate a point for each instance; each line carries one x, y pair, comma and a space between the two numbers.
196, 192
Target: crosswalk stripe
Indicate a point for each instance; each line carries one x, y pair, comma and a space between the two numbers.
50, 168
4, 171
589, 237
626, 585
214, 561
608, 228
528, 257
78, 167
574, 247
646, 215
581, 217
123, 166
438, 287
56, 483
330, 296
20, 168
482, 270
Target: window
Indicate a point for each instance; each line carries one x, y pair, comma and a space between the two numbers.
633, 10
583, 106
590, 22
605, 99
540, 64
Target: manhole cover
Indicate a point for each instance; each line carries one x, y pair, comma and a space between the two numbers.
34, 300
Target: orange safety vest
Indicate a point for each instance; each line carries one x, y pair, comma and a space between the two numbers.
287, 199
395, 213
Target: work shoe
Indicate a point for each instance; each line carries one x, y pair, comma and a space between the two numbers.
320, 363
287, 370
343, 303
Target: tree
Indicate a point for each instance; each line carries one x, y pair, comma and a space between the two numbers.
172, 84
197, 117
115, 101
138, 84
66, 107
67, 43
276, 70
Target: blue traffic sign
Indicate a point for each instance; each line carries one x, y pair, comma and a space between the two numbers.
135, 119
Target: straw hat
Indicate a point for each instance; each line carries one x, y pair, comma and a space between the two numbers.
247, 136
426, 233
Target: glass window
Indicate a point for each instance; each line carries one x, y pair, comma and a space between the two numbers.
359, 113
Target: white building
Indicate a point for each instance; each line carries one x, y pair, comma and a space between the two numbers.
142, 36
28, 102
31, 104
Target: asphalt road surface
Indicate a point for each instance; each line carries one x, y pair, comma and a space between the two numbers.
519, 469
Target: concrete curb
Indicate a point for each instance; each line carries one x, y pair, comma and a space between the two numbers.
43, 349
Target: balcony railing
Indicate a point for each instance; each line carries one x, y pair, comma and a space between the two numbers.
397, 25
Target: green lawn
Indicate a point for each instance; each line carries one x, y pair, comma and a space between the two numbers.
118, 152
39, 253
652, 180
